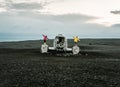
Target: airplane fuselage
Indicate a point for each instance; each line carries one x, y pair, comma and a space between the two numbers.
60, 43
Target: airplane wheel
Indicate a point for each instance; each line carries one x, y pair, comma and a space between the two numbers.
75, 49
44, 48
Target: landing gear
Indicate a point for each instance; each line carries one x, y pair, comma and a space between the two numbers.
75, 49
44, 48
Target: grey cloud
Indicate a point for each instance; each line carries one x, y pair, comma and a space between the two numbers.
115, 12
73, 17
116, 26
6, 4
26, 6
66, 18
10, 5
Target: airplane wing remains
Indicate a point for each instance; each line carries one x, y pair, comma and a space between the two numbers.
60, 45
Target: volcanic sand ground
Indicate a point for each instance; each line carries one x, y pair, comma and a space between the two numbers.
97, 65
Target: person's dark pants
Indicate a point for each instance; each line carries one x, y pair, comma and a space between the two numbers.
44, 41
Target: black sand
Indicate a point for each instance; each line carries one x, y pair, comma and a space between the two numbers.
97, 65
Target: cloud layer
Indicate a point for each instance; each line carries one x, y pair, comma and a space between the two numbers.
23, 5
38, 24
115, 12
25, 19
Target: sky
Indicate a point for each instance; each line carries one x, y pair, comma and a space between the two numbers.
29, 19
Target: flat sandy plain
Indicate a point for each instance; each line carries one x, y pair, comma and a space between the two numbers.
97, 65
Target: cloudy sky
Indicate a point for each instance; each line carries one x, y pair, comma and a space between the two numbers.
29, 19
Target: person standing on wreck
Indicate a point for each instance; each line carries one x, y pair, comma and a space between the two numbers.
45, 38
76, 39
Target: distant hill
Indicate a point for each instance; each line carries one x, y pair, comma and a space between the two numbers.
37, 43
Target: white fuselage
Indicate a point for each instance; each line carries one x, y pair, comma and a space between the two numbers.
60, 43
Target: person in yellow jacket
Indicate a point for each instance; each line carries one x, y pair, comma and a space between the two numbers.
76, 39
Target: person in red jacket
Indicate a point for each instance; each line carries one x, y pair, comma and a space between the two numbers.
45, 38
